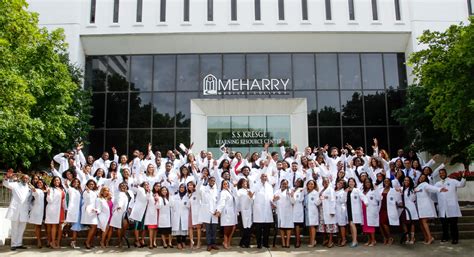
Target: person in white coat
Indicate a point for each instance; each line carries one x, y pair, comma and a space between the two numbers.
244, 208
194, 224
73, 216
410, 212
138, 212
122, 203
151, 214
448, 205
56, 198
104, 210
327, 213
354, 208
283, 200
226, 210
262, 210
164, 218
389, 214
88, 210
370, 211
341, 210
298, 210
180, 216
37, 209
207, 214
312, 212
425, 205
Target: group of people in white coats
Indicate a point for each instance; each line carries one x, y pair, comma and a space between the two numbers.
324, 190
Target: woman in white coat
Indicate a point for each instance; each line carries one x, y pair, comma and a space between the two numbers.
73, 217
389, 214
37, 209
341, 210
327, 213
298, 210
425, 205
194, 224
410, 213
283, 201
104, 212
56, 198
370, 211
164, 220
120, 214
179, 216
312, 213
226, 209
138, 212
89, 210
244, 208
354, 208
151, 215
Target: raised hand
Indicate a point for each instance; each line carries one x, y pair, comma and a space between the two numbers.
114, 151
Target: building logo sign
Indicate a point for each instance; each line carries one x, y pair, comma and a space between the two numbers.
211, 85
238, 138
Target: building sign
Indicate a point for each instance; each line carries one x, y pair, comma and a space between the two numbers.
214, 86
247, 138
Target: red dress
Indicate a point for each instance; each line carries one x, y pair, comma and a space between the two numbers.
61, 213
383, 211
365, 227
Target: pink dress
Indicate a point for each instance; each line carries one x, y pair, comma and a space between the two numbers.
365, 228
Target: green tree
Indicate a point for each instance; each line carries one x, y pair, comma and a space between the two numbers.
42, 105
440, 104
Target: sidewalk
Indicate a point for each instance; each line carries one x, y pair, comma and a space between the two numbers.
464, 248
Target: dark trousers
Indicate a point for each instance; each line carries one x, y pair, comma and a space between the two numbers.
245, 237
450, 224
181, 239
211, 230
262, 232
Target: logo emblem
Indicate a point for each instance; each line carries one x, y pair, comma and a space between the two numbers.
371, 198
209, 85
391, 198
355, 197
312, 198
194, 198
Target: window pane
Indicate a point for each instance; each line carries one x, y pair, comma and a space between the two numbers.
330, 136
117, 139
188, 72
354, 136
381, 134
375, 108
279, 127
140, 110
280, 68
395, 100
118, 73
326, 71
372, 71
163, 140
218, 129
313, 137
163, 110
311, 103
391, 71
117, 110
329, 109
183, 112
141, 73
398, 140
210, 64
139, 139
349, 71
96, 140
303, 69
96, 73
257, 66
239, 122
257, 10
184, 136
234, 66
351, 102
98, 110
164, 74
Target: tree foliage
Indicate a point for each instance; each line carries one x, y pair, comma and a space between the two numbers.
42, 105
440, 104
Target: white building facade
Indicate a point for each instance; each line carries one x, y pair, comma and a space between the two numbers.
245, 72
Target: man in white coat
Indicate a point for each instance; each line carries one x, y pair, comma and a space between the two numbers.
209, 216
448, 205
262, 210
19, 206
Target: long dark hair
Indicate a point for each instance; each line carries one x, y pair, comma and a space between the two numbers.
411, 186
365, 183
241, 182
51, 184
221, 165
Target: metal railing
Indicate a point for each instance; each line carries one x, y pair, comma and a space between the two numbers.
5, 196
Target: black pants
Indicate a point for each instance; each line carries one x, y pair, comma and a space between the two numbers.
181, 239
245, 237
210, 233
450, 224
262, 232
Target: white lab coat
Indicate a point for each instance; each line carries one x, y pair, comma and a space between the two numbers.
424, 201
284, 209
151, 214
227, 208
73, 205
195, 202
372, 204
341, 208
209, 197
164, 219
329, 205
298, 206
89, 214
179, 212
103, 213
448, 205
37, 208
20, 201
244, 206
53, 208
393, 212
139, 205
312, 211
120, 207
356, 203
262, 202
410, 205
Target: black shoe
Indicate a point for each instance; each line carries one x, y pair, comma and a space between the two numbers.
266, 246
13, 248
259, 246
21, 247
444, 240
454, 242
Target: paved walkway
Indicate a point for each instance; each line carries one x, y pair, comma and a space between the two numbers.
464, 248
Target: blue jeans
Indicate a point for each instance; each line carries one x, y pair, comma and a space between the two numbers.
211, 230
